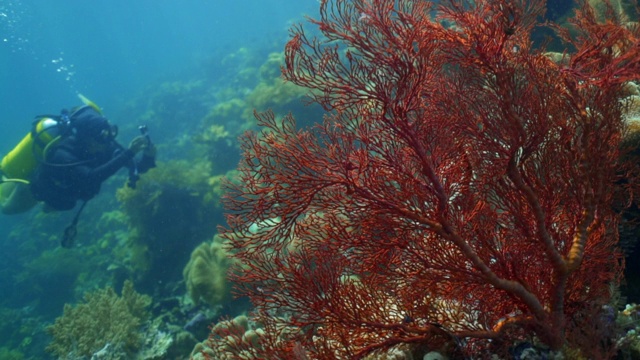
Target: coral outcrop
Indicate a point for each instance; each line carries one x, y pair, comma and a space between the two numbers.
170, 210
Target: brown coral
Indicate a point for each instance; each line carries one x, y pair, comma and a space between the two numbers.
103, 318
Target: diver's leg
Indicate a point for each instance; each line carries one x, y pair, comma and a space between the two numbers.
15, 198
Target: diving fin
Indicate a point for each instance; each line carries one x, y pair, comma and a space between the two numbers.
88, 102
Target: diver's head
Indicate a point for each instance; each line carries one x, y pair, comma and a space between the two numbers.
90, 126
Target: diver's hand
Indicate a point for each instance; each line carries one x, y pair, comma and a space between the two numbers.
149, 151
138, 144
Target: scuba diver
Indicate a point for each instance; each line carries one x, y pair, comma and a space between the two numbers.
65, 159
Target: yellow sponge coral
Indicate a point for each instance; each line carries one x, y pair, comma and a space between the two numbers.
206, 273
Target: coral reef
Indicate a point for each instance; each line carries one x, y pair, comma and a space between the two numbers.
241, 338
103, 320
259, 88
272, 92
206, 274
628, 322
169, 106
624, 9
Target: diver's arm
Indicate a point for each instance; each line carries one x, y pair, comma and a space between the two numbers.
104, 171
122, 157
66, 167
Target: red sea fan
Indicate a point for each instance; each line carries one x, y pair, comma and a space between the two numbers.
459, 190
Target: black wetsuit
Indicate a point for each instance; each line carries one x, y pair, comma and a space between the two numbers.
72, 173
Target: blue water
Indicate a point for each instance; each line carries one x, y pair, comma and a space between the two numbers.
111, 51
52, 49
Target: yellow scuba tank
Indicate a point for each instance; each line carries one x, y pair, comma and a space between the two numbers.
20, 162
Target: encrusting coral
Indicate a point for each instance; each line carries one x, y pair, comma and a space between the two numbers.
236, 331
206, 273
103, 318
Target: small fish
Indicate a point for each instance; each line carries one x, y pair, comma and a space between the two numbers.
196, 320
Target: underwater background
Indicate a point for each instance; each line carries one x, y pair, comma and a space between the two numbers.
193, 72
